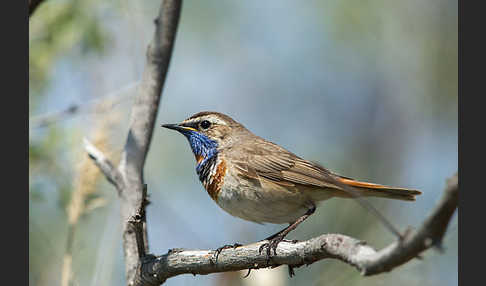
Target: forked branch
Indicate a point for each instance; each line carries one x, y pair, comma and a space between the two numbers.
128, 175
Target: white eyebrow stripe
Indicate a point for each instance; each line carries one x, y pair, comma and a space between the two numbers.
215, 120
211, 119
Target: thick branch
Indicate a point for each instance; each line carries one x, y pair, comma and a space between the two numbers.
155, 270
144, 110
429, 234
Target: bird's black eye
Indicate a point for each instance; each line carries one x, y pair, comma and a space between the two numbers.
205, 124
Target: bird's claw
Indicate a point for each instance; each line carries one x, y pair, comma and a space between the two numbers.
226, 246
272, 245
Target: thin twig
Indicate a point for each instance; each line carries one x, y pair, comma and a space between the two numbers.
105, 165
366, 205
98, 105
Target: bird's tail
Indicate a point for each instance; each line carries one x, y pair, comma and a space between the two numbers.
375, 190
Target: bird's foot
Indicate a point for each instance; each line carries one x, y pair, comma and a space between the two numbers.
226, 246
272, 245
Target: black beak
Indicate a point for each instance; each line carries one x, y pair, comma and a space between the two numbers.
172, 126
177, 127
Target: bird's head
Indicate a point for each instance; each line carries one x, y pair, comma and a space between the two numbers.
208, 132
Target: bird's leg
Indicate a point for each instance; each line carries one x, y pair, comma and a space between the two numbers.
275, 239
278, 233
274, 235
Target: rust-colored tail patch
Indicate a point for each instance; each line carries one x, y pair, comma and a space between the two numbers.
362, 184
376, 190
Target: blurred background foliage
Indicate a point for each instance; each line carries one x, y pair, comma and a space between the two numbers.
366, 88
68, 29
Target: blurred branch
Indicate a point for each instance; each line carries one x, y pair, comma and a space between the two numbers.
155, 270
105, 165
99, 105
84, 187
33, 4
128, 177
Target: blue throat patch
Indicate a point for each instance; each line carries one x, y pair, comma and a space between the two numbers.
201, 145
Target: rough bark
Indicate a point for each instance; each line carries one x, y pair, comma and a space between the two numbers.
128, 176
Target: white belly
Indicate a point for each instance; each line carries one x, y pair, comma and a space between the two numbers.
271, 203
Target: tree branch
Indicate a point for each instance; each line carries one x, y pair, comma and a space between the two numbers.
144, 112
155, 270
128, 177
105, 165
98, 105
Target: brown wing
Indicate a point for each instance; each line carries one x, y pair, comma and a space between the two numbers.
263, 159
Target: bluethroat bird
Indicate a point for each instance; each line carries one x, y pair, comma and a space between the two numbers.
257, 180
